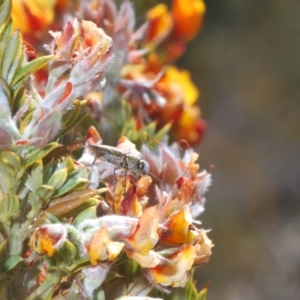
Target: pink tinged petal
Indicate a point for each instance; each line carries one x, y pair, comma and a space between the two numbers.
66, 94
97, 41
164, 204
126, 17
155, 162
140, 33
23, 109
171, 167
63, 42
203, 182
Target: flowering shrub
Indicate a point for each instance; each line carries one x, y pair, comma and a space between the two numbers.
98, 198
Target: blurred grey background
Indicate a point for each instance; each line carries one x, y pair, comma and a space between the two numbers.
247, 67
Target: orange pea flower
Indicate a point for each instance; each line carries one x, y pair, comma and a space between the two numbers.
188, 17
174, 271
160, 23
48, 238
102, 248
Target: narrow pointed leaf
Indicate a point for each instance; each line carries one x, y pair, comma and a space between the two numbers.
35, 179
9, 263
11, 159
9, 206
163, 132
5, 95
87, 214
5, 16
72, 208
37, 153
75, 178
58, 178
140, 287
46, 289
45, 192
73, 116
3, 246
12, 56
32, 67
5, 35
202, 295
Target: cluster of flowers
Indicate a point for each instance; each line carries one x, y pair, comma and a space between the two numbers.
152, 219
141, 68
98, 221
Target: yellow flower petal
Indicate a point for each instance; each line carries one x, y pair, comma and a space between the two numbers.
47, 238
102, 248
183, 79
178, 227
145, 237
174, 271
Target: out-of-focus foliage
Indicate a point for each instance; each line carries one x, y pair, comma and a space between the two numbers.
246, 64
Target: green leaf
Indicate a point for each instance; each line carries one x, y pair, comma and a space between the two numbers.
73, 203
75, 178
3, 246
5, 18
162, 132
68, 251
31, 67
73, 116
46, 289
202, 294
35, 179
5, 96
7, 174
9, 206
68, 164
10, 262
45, 192
12, 159
100, 295
189, 292
37, 153
140, 287
34, 201
44, 218
115, 289
12, 57
58, 178
86, 214
131, 271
